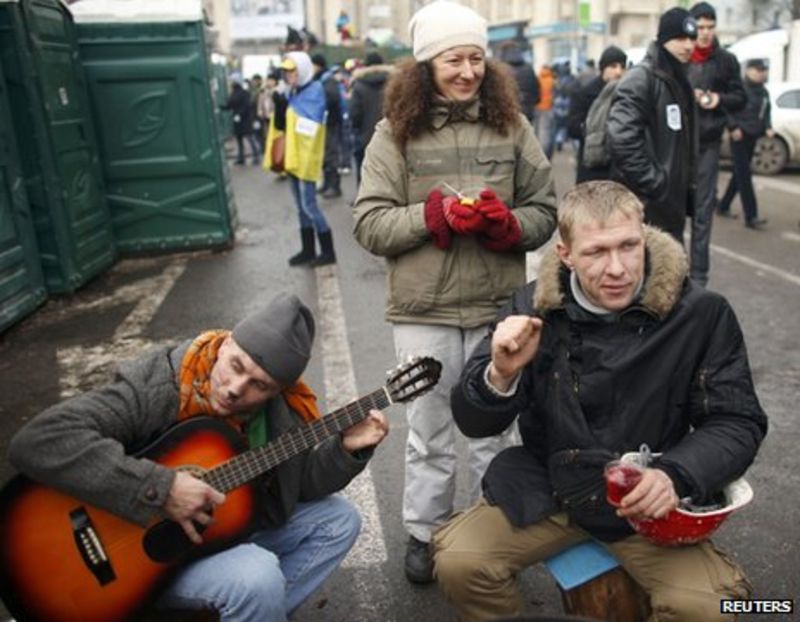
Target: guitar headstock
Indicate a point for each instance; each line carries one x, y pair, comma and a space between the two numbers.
413, 378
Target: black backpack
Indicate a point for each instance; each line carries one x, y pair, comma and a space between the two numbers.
595, 149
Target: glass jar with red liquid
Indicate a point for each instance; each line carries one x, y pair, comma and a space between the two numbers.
621, 478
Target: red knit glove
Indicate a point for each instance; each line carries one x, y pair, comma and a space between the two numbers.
435, 221
463, 219
491, 207
503, 231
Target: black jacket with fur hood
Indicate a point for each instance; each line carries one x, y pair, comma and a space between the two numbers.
671, 371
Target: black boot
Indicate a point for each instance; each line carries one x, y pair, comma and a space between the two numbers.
418, 561
334, 190
327, 256
306, 255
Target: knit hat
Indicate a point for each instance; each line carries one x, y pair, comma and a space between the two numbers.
372, 59
703, 9
319, 60
612, 54
302, 63
676, 23
757, 63
442, 25
278, 338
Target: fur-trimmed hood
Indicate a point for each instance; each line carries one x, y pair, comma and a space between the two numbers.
373, 74
667, 269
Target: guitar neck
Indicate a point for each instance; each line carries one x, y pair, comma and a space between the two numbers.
248, 465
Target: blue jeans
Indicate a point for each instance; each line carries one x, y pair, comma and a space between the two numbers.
269, 575
305, 197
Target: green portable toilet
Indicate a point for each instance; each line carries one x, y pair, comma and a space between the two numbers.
151, 85
57, 147
21, 283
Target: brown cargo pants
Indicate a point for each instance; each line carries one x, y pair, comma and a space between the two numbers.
478, 555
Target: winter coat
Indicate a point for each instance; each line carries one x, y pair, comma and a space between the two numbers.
333, 100
652, 139
671, 371
527, 82
366, 100
84, 446
756, 117
241, 107
547, 83
721, 74
580, 103
465, 284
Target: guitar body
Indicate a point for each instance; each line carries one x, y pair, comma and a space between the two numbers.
51, 569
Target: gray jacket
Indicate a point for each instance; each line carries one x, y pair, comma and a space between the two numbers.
84, 445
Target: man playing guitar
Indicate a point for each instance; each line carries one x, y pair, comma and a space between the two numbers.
248, 378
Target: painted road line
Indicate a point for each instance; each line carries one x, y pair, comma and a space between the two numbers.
791, 236
761, 181
84, 367
783, 274
369, 551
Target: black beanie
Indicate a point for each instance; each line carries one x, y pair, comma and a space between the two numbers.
676, 23
372, 59
319, 61
612, 54
278, 338
703, 9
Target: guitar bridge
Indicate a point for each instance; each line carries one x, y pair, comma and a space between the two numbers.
90, 547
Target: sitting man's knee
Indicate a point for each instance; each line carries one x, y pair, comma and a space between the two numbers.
457, 571
345, 517
691, 605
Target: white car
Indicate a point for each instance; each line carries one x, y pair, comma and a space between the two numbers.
773, 154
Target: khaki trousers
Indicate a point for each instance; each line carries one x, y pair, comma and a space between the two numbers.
478, 555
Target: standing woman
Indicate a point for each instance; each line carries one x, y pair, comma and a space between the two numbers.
453, 124
304, 123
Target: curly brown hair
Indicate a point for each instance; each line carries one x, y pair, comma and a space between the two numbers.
411, 95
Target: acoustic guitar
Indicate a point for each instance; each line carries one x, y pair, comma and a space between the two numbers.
62, 560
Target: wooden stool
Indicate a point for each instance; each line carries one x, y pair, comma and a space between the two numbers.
593, 584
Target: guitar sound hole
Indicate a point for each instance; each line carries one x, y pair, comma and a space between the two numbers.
166, 542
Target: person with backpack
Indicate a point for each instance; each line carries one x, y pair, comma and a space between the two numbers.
652, 126
586, 104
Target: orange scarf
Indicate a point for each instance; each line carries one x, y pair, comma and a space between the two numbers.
194, 378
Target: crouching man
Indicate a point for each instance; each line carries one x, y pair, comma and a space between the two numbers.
249, 378
612, 347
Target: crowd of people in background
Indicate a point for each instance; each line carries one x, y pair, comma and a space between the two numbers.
564, 108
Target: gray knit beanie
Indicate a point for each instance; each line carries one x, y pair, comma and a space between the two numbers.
278, 338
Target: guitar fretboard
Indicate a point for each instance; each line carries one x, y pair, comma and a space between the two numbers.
248, 465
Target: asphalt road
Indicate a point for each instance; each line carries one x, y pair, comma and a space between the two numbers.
73, 343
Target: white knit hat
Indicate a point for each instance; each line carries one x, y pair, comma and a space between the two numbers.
442, 25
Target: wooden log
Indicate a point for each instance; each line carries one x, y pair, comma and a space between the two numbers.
612, 596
